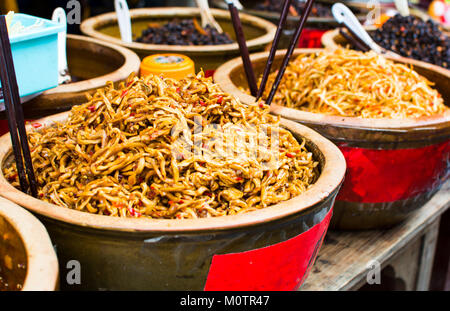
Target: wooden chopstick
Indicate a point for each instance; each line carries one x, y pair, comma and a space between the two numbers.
290, 51
353, 41
14, 110
248, 67
356, 38
273, 49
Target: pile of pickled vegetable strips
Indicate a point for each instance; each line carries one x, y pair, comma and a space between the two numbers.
150, 148
349, 83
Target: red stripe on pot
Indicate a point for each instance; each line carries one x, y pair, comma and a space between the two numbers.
279, 267
375, 176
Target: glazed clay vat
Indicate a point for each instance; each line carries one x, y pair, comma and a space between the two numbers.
269, 249
317, 22
27, 259
92, 63
259, 33
393, 166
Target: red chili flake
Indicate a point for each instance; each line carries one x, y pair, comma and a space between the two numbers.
154, 135
140, 203
132, 114
129, 83
92, 108
261, 105
36, 125
220, 100
171, 202
180, 202
41, 195
91, 153
239, 178
178, 216
178, 90
202, 103
290, 155
209, 194
134, 213
152, 187
124, 93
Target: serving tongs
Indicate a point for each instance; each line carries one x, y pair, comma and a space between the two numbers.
344, 16
402, 7
59, 16
206, 15
124, 20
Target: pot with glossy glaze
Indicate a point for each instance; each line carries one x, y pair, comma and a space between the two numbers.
259, 33
381, 154
92, 63
27, 259
195, 254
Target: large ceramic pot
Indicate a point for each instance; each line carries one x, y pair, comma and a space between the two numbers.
27, 258
92, 63
313, 21
394, 166
259, 33
269, 249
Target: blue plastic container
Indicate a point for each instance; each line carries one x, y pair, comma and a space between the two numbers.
35, 54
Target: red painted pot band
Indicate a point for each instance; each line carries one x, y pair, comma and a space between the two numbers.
375, 176
282, 266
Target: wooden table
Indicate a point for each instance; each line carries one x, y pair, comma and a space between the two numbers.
404, 253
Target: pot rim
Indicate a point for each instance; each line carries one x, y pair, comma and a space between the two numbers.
131, 64
222, 77
329, 180
42, 264
328, 37
88, 27
311, 19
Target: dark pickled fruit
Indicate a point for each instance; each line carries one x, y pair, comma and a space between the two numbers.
412, 37
183, 32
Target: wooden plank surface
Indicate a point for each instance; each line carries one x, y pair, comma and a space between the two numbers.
342, 263
426, 266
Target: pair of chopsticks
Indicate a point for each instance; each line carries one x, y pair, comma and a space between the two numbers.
255, 91
352, 38
14, 111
